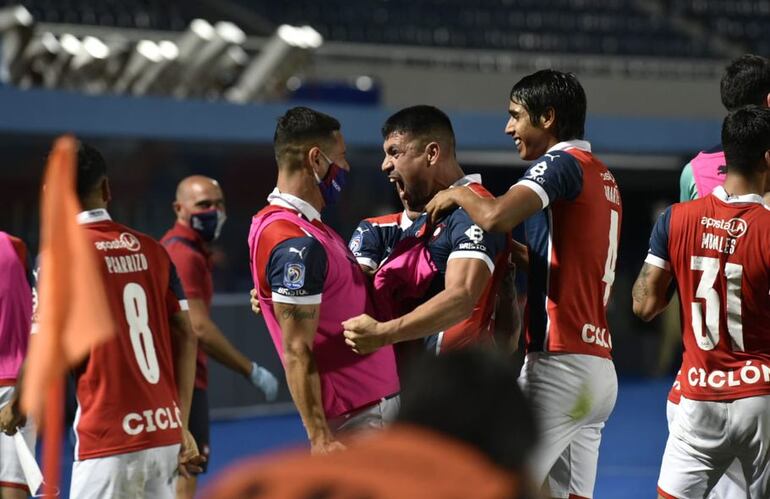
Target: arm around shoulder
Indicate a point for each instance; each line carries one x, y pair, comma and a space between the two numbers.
503, 213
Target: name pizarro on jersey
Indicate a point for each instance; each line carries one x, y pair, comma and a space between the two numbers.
124, 264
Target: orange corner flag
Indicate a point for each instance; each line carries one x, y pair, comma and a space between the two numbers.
73, 314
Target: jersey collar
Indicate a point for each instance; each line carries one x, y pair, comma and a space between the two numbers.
93, 216
583, 145
286, 200
722, 195
404, 222
473, 178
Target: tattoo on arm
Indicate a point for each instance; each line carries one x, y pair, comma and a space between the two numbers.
641, 290
293, 312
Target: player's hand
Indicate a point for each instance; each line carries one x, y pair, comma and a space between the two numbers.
441, 203
326, 446
254, 302
264, 380
11, 417
363, 334
190, 460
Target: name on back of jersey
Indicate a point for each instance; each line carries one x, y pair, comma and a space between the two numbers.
611, 191
123, 264
727, 242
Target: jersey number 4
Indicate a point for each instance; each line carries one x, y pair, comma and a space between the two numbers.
612, 255
733, 274
135, 305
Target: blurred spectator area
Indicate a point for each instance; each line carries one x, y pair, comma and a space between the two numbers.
571, 26
660, 28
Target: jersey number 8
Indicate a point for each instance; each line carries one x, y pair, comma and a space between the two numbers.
135, 305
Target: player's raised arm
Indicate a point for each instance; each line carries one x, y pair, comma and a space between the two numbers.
499, 214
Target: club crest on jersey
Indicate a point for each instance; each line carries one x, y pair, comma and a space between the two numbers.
436, 231
125, 241
475, 234
294, 275
355, 243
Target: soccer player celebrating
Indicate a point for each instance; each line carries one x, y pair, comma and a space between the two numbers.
134, 390
745, 81
450, 271
715, 249
200, 214
307, 282
571, 207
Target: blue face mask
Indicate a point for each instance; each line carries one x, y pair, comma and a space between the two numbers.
333, 182
208, 223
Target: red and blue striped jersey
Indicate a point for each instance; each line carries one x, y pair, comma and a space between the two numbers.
573, 244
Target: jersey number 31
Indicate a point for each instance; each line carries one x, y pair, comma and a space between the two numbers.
733, 274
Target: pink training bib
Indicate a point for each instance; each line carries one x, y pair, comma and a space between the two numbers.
348, 381
15, 310
705, 171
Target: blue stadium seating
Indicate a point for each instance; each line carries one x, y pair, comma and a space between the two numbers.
615, 27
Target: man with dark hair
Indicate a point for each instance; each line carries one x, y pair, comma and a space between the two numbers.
307, 282
715, 251
746, 81
456, 436
440, 281
549, 91
132, 445
571, 207
152, 356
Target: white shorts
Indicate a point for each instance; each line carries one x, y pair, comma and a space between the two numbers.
572, 396
704, 440
732, 484
375, 417
11, 474
145, 474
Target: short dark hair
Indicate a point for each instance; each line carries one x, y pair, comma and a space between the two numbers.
424, 123
746, 138
560, 91
298, 128
746, 81
91, 169
472, 395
